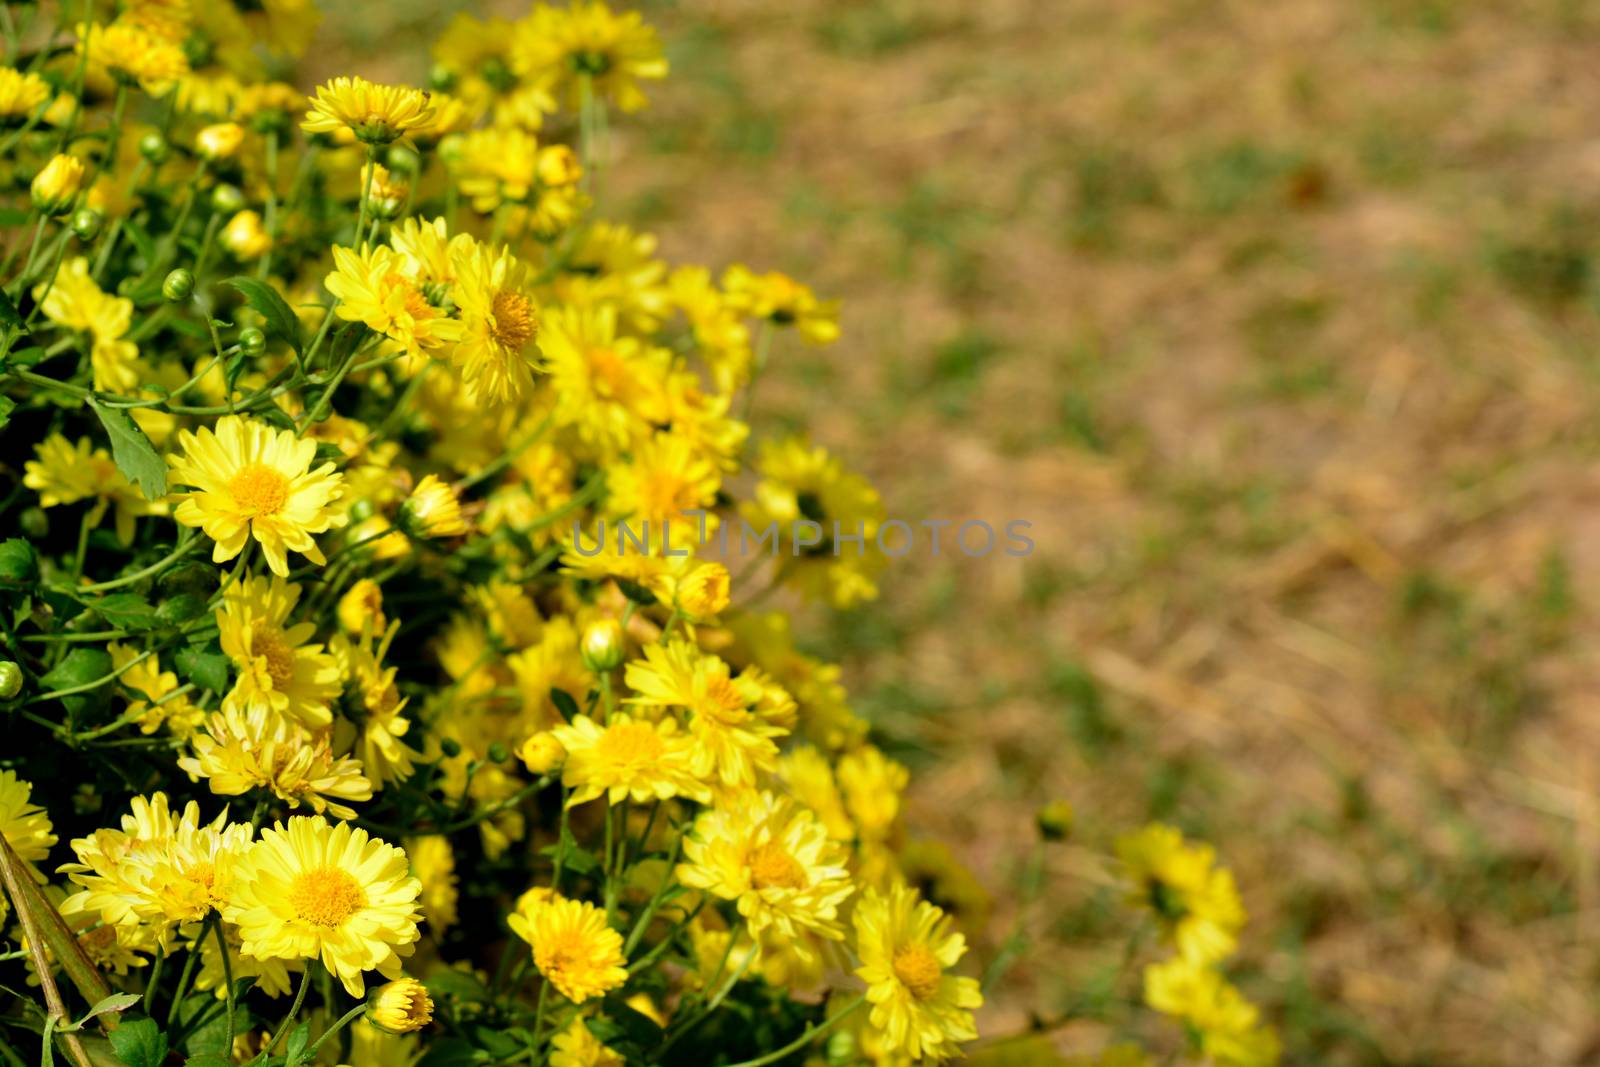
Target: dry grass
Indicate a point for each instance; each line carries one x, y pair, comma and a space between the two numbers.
1278, 322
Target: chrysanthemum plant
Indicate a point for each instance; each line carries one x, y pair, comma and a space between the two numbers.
337, 726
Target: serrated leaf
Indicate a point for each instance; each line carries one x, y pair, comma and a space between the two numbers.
127, 611
140, 1043
132, 451
295, 1053
265, 299
208, 670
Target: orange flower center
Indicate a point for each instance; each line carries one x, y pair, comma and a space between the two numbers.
259, 490
771, 867
918, 970
723, 701
268, 644
326, 896
513, 321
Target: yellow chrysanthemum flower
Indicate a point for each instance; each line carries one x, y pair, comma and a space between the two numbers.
1194, 901
309, 890
243, 750
906, 947
610, 389
75, 301
434, 865
774, 860
401, 1007
626, 758
572, 946
872, 783
21, 93
576, 1046
251, 480
733, 721
131, 54
496, 352
360, 609
809, 777
278, 670
782, 301
802, 485
375, 114
1227, 1027
372, 288
25, 825
162, 703
65, 474
665, 480
246, 236
385, 756
562, 49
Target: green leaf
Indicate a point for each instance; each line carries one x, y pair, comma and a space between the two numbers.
127, 611
8, 314
208, 670
80, 667
453, 1052
7, 406
459, 985
140, 1043
209, 1059
114, 1003
264, 298
181, 608
18, 565
295, 1054
135, 456
564, 704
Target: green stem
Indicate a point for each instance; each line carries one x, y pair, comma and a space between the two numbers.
344, 1020
810, 1035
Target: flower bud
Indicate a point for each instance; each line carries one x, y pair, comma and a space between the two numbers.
35, 523
153, 148
1055, 820
227, 199
704, 591
542, 753
441, 78
433, 510
252, 341
497, 752
10, 680
401, 1007
86, 223
179, 286
56, 186
361, 608
558, 165
604, 645
220, 141
450, 747
246, 237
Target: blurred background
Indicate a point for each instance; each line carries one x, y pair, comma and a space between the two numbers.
1278, 321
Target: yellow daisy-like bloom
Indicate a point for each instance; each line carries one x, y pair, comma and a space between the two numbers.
572, 946
733, 720
561, 49
267, 105
872, 784
1228, 1027
906, 947
24, 824
21, 93
65, 474
428, 254
131, 54
252, 480
665, 479
802, 485
496, 352
576, 1046
376, 114
626, 758
434, 510
1194, 901
782, 301
384, 754
77, 302
361, 608
311, 890
244, 750
774, 860
157, 870
434, 865
246, 236
609, 389
372, 288
158, 705
704, 591
401, 1007
278, 670
809, 776
497, 166
56, 185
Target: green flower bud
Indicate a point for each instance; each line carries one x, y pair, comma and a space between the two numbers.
441, 79
179, 286
227, 199
153, 148
450, 747
498, 752
10, 680
604, 646
35, 523
86, 224
252, 342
